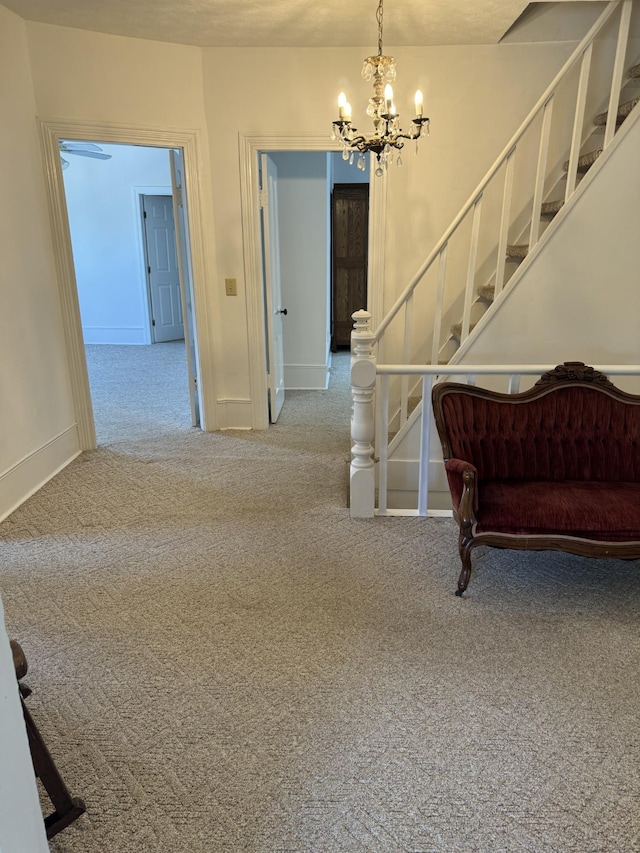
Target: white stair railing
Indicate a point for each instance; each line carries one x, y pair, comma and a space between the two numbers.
388, 369
364, 371
545, 137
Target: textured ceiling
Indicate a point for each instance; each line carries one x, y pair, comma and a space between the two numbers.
283, 23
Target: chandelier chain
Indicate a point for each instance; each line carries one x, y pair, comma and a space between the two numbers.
379, 14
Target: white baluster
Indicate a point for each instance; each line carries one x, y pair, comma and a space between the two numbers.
425, 445
618, 71
578, 122
363, 383
471, 271
543, 153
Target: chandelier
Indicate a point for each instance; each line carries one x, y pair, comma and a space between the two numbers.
387, 137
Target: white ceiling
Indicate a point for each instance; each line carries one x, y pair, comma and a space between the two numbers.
283, 23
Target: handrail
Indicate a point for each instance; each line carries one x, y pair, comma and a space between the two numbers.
540, 104
493, 369
370, 383
430, 374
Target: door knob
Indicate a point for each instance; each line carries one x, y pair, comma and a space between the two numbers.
282, 311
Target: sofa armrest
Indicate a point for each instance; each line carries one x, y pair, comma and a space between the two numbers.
459, 484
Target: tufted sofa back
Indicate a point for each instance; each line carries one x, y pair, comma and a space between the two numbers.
562, 432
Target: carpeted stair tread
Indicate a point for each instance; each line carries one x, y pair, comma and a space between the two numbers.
518, 251
550, 208
623, 112
412, 403
634, 72
456, 330
486, 292
586, 161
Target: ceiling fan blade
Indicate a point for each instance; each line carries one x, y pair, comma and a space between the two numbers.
78, 146
93, 154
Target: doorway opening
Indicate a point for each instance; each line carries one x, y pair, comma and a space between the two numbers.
298, 238
127, 224
131, 269
185, 185
349, 258
251, 148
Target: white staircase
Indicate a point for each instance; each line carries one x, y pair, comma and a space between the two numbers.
467, 276
517, 252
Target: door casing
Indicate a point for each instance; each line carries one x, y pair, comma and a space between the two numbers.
251, 146
52, 130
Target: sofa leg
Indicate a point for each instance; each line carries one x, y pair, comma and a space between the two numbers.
464, 546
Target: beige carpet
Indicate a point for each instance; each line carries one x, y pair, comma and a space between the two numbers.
222, 660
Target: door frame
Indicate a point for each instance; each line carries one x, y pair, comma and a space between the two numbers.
251, 145
50, 131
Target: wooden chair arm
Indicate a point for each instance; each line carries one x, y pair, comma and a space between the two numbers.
459, 484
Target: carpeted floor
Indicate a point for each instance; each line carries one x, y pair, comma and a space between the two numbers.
222, 660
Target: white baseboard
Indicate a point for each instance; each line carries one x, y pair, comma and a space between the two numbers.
234, 414
27, 476
306, 377
115, 335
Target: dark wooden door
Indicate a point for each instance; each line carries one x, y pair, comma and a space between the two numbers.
349, 250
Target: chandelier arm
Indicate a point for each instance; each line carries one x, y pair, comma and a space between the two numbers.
360, 142
415, 135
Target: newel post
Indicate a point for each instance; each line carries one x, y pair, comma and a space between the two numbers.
363, 383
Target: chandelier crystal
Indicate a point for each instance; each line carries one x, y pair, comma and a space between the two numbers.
387, 137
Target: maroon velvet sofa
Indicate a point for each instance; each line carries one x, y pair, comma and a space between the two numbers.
554, 467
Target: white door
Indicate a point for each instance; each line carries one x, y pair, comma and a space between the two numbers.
186, 279
273, 308
162, 268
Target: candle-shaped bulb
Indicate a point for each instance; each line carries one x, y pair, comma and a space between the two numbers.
418, 103
342, 102
388, 98
347, 111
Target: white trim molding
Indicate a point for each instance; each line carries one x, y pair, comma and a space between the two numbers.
250, 146
23, 479
51, 130
306, 377
235, 413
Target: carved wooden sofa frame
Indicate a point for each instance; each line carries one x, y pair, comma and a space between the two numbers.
66, 808
556, 467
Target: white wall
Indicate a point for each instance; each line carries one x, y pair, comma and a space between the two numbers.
112, 79
343, 172
303, 217
37, 432
37, 427
103, 204
476, 97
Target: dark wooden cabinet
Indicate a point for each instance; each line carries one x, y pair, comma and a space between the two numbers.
349, 251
